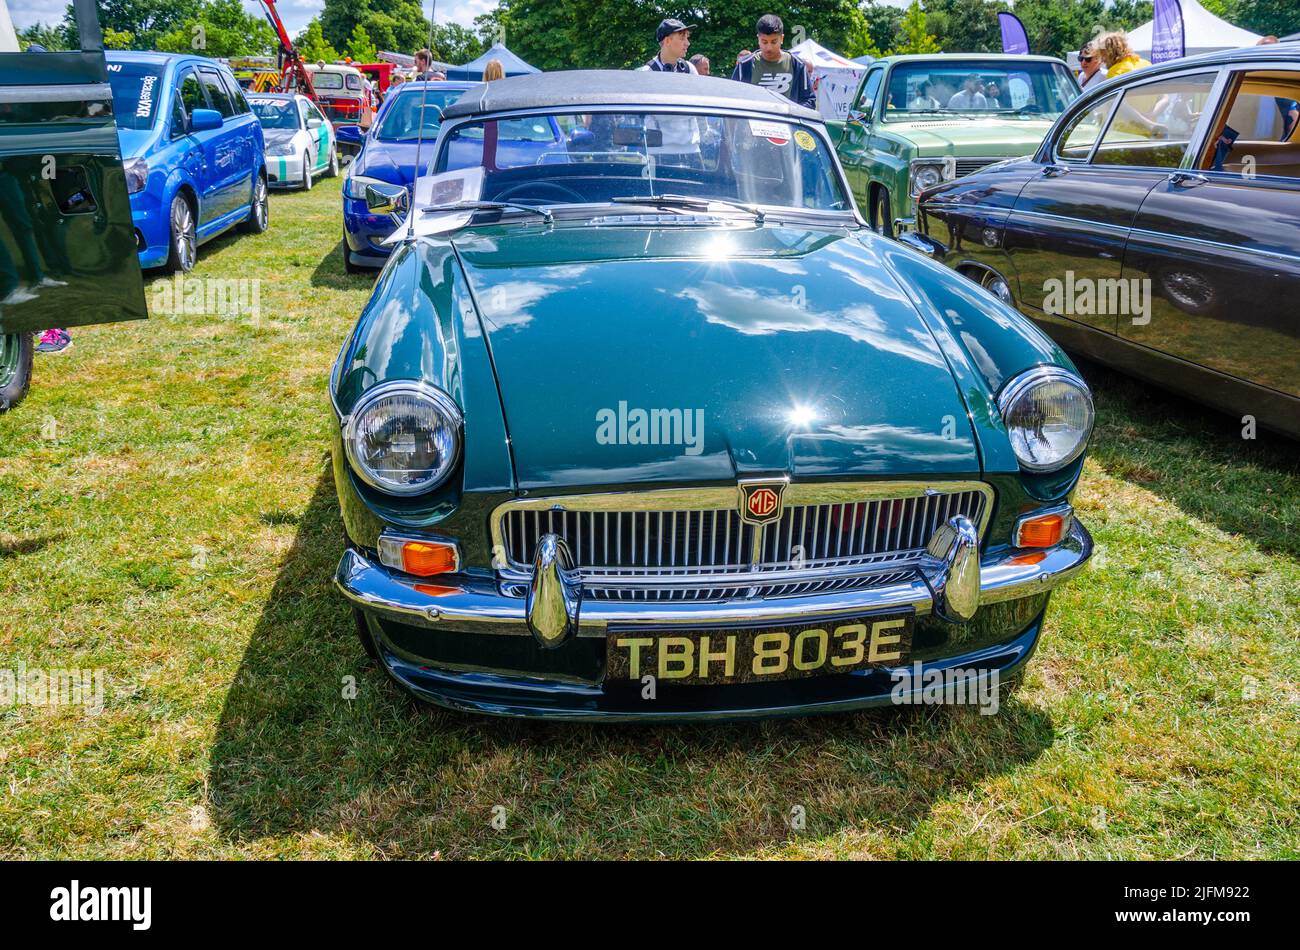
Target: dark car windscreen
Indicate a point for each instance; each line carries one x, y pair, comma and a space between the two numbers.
401, 120
137, 90
969, 87
275, 113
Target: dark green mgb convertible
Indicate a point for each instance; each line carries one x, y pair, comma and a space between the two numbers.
642, 421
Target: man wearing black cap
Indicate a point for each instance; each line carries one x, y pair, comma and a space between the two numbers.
774, 68
674, 38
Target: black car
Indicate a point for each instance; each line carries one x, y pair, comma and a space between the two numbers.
1157, 229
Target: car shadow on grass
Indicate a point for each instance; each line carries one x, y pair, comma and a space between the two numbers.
1196, 458
330, 273
383, 775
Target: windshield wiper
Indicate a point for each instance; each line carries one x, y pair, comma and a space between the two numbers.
490, 206
686, 201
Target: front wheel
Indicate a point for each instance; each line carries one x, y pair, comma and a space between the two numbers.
882, 220
999, 288
348, 266
183, 249
259, 215
15, 368
306, 174
333, 171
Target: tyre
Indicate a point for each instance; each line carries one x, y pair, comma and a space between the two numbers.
999, 288
183, 249
306, 174
364, 635
16, 351
333, 170
259, 215
882, 218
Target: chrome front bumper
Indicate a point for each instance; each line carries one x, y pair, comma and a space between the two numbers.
477, 604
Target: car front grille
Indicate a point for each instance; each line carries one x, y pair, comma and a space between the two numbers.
692, 544
969, 166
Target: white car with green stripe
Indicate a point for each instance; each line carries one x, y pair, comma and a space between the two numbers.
300, 142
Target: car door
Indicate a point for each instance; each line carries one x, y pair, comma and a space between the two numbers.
314, 151
1067, 232
67, 241
1219, 240
203, 164
232, 188
854, 146
249, 130
324, 133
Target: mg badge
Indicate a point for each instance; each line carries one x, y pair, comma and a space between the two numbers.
761, 501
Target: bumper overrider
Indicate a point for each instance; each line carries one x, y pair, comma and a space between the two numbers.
536, 646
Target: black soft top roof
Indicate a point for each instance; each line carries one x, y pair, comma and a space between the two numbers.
621, 87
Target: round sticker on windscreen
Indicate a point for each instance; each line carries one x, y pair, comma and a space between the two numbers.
805, 140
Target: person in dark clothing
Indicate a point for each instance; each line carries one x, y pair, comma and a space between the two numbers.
674, 38
774, 68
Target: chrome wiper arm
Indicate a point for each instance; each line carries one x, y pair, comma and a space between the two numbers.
687, 201
490, 206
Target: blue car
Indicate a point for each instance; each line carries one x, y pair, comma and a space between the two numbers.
193, 153
388, 156
388, 151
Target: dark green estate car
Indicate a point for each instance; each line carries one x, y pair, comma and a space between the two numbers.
644, 422
67, 244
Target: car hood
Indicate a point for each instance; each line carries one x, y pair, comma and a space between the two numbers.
782, 348
392, 161
278, 136
983, 137
134, 142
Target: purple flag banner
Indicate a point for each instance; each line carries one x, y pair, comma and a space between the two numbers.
1014, 37
1168, 40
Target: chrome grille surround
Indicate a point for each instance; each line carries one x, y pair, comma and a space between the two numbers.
690, 544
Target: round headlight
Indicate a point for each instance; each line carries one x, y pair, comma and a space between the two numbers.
404, 438
925, 176
1048, 413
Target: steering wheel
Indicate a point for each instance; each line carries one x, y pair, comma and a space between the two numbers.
541, 190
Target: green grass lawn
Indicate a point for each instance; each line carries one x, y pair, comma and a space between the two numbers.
169, 518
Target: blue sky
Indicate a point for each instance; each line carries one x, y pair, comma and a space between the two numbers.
295, 13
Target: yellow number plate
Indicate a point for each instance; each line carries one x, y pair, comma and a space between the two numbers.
759, 655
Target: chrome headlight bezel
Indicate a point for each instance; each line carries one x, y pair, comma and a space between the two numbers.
438, 400
1021, 388
940, 166
354, 186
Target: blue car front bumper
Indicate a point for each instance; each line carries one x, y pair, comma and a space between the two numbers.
153, 228
364, 233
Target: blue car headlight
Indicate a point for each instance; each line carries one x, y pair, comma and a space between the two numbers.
404, 438
1048, 414
137, 175
355, 186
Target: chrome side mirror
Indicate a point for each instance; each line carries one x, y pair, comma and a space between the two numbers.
388, 199
923, 243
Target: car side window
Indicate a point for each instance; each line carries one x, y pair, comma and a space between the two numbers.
1257, 130
217, 92
870, 89
1077, 139
236, 94
191, 97
180, 120
1154, 122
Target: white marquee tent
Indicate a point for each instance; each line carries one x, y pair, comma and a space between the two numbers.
1203, 32
834, 77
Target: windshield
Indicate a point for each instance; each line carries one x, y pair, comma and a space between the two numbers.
576, 158
996, 86
401, 120
324, 80
137, 89
275, 113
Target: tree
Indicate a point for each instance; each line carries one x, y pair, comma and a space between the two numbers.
395, 25
360, 48
312, 45
916, 37
1266, 17
42, 34
860, 42
145, 20
965, 26
453, 43
885, 24
220, 28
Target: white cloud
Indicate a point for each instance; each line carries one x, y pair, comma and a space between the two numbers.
296, 14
